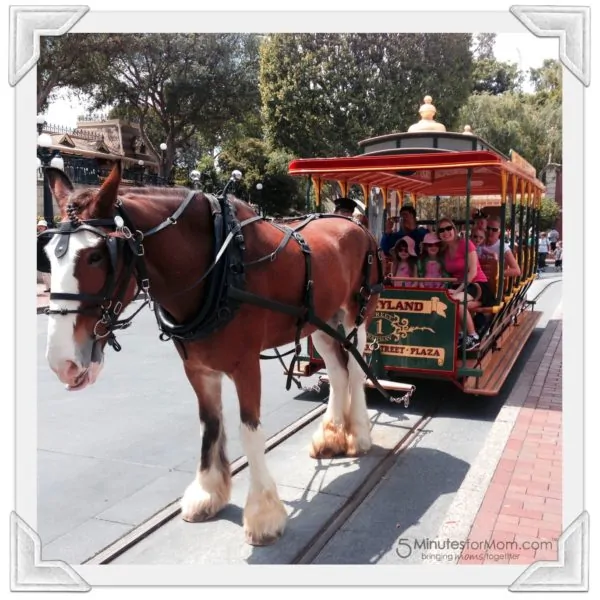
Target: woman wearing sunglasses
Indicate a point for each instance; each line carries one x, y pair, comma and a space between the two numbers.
458, 254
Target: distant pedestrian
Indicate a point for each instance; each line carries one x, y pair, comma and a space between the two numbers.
553, 236
558, 256
43, 262
543, 249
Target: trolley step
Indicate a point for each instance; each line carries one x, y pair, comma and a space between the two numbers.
501, 361
392, 386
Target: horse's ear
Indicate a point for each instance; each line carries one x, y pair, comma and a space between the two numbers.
107, 194
60, 185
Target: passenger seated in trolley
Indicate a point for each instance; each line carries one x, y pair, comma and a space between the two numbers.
404, 262
478, 238
431, 265
480, 220
477, 291
408, 214
491, 247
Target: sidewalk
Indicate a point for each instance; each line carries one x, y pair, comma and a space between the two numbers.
523, 504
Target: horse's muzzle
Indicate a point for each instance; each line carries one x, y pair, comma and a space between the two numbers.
77, 377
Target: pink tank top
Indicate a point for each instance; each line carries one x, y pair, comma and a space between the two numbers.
404, 270
433, 269
455, 266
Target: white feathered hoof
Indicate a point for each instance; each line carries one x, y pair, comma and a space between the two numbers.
329, 440
199, 505
358, 438
264, 518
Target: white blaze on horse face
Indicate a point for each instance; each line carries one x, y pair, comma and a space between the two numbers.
66, 357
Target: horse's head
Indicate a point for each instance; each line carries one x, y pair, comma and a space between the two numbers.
90, 282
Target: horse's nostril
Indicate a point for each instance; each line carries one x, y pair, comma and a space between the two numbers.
71, 369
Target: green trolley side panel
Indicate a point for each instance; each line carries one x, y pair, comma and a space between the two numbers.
415, 330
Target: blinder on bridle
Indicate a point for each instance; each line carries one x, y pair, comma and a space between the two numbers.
109, 300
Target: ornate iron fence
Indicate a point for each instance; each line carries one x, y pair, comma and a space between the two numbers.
86, 171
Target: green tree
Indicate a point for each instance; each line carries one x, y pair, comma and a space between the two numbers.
547, 81
322, 93
549, 212
483, 45
495, 77
280, 193
61, 66
517, 122
179, 85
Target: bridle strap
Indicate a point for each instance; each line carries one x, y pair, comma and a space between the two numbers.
172, 220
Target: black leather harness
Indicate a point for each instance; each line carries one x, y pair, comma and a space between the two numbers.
225, 279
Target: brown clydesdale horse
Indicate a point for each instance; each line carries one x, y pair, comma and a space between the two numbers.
172, 250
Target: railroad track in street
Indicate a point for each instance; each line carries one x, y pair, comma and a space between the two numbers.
336, 521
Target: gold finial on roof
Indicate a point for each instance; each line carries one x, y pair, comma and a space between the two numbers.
467, 130
427, 123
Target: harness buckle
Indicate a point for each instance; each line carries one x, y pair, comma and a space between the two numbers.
273, 256
140, 251
145, 284
126, 232
95, 331
172, 220
118, 307
365, 292
370, 259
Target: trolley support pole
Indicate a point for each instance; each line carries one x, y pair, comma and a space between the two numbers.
466, 275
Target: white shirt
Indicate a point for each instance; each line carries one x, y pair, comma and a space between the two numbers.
494, 248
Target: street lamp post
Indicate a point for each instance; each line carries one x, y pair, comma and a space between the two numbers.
141, 165
196, 178
47, 158
259, 187
163, 148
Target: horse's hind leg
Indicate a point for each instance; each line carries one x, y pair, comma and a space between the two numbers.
330, 439
264, 514
210, 490
357, 417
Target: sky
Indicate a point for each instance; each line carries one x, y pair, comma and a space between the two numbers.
522, 48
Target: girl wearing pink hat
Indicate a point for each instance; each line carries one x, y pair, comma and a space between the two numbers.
404, 262
431, 264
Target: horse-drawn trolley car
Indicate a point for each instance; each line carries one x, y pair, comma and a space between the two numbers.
416, 329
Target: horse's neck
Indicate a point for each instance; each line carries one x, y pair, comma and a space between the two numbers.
177, 256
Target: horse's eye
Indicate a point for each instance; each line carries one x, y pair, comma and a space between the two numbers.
95, 258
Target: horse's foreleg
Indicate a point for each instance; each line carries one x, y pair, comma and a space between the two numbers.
357, 417
211, 488
264, 514
330, 439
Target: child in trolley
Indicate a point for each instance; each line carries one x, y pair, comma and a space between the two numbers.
431, 265
404, 262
